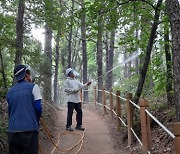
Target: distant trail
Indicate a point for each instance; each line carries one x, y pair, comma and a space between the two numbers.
97, 139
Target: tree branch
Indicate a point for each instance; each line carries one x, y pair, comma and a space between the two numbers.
135, 1
149, 4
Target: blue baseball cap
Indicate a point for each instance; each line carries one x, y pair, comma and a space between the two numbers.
20, 72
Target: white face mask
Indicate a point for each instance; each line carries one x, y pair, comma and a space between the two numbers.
33, 72
76, 74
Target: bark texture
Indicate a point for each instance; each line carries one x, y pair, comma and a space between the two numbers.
2, 70
110, 57
169, 86
47, 88
56, 68
70, 36
84, 48
19, 32
99, 57
173, 10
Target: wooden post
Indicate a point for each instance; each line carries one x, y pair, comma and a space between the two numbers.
118, 109
95, 95
104, 100
176, 130
129, 118
144, 127
111, 103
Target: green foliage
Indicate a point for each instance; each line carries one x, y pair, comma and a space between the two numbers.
128, 84
128, 20
3, 129
91, 58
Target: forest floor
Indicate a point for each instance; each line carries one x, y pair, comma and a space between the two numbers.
101, 135
98, 137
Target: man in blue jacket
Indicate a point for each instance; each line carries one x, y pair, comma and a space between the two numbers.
24, 111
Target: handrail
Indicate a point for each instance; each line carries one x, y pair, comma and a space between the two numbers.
114, 94
160, 124
138, 139
122, 121
136, 136
107, 107
124, 99
138, 107
114, 112
107, 91
134, 104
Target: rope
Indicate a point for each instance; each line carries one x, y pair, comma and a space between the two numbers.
107, 107
134, 104
65, 150
114, 94
114, 112
107, 91
40, 148
160, 124
122, 122
124, 99
136, 136
56, 145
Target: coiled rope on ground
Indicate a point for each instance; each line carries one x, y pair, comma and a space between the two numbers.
63, 150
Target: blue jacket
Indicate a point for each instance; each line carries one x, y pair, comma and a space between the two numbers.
21, 110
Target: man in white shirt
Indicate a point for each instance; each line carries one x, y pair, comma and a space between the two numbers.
72, 87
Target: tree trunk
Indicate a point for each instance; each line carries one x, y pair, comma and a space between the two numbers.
148, 52
19, 32
70, 36
63, 61
56, 68
129, 69
47, 90
84, 47
107, 52
109, 75
125, 65
136, 63
2, 69
169, 89
99, 57
173, 10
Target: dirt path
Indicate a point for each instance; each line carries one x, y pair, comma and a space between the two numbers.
97, 138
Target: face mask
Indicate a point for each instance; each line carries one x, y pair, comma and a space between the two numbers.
33, 73
76, 74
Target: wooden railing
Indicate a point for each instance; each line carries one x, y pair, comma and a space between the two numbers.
145, 117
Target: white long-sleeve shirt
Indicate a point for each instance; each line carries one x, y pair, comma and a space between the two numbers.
71, 88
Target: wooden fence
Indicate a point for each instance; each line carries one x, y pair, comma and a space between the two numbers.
145, 118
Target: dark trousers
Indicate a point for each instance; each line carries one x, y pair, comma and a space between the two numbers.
23, 142
71, 107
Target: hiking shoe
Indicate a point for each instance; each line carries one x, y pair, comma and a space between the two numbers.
69, 128
80, 128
